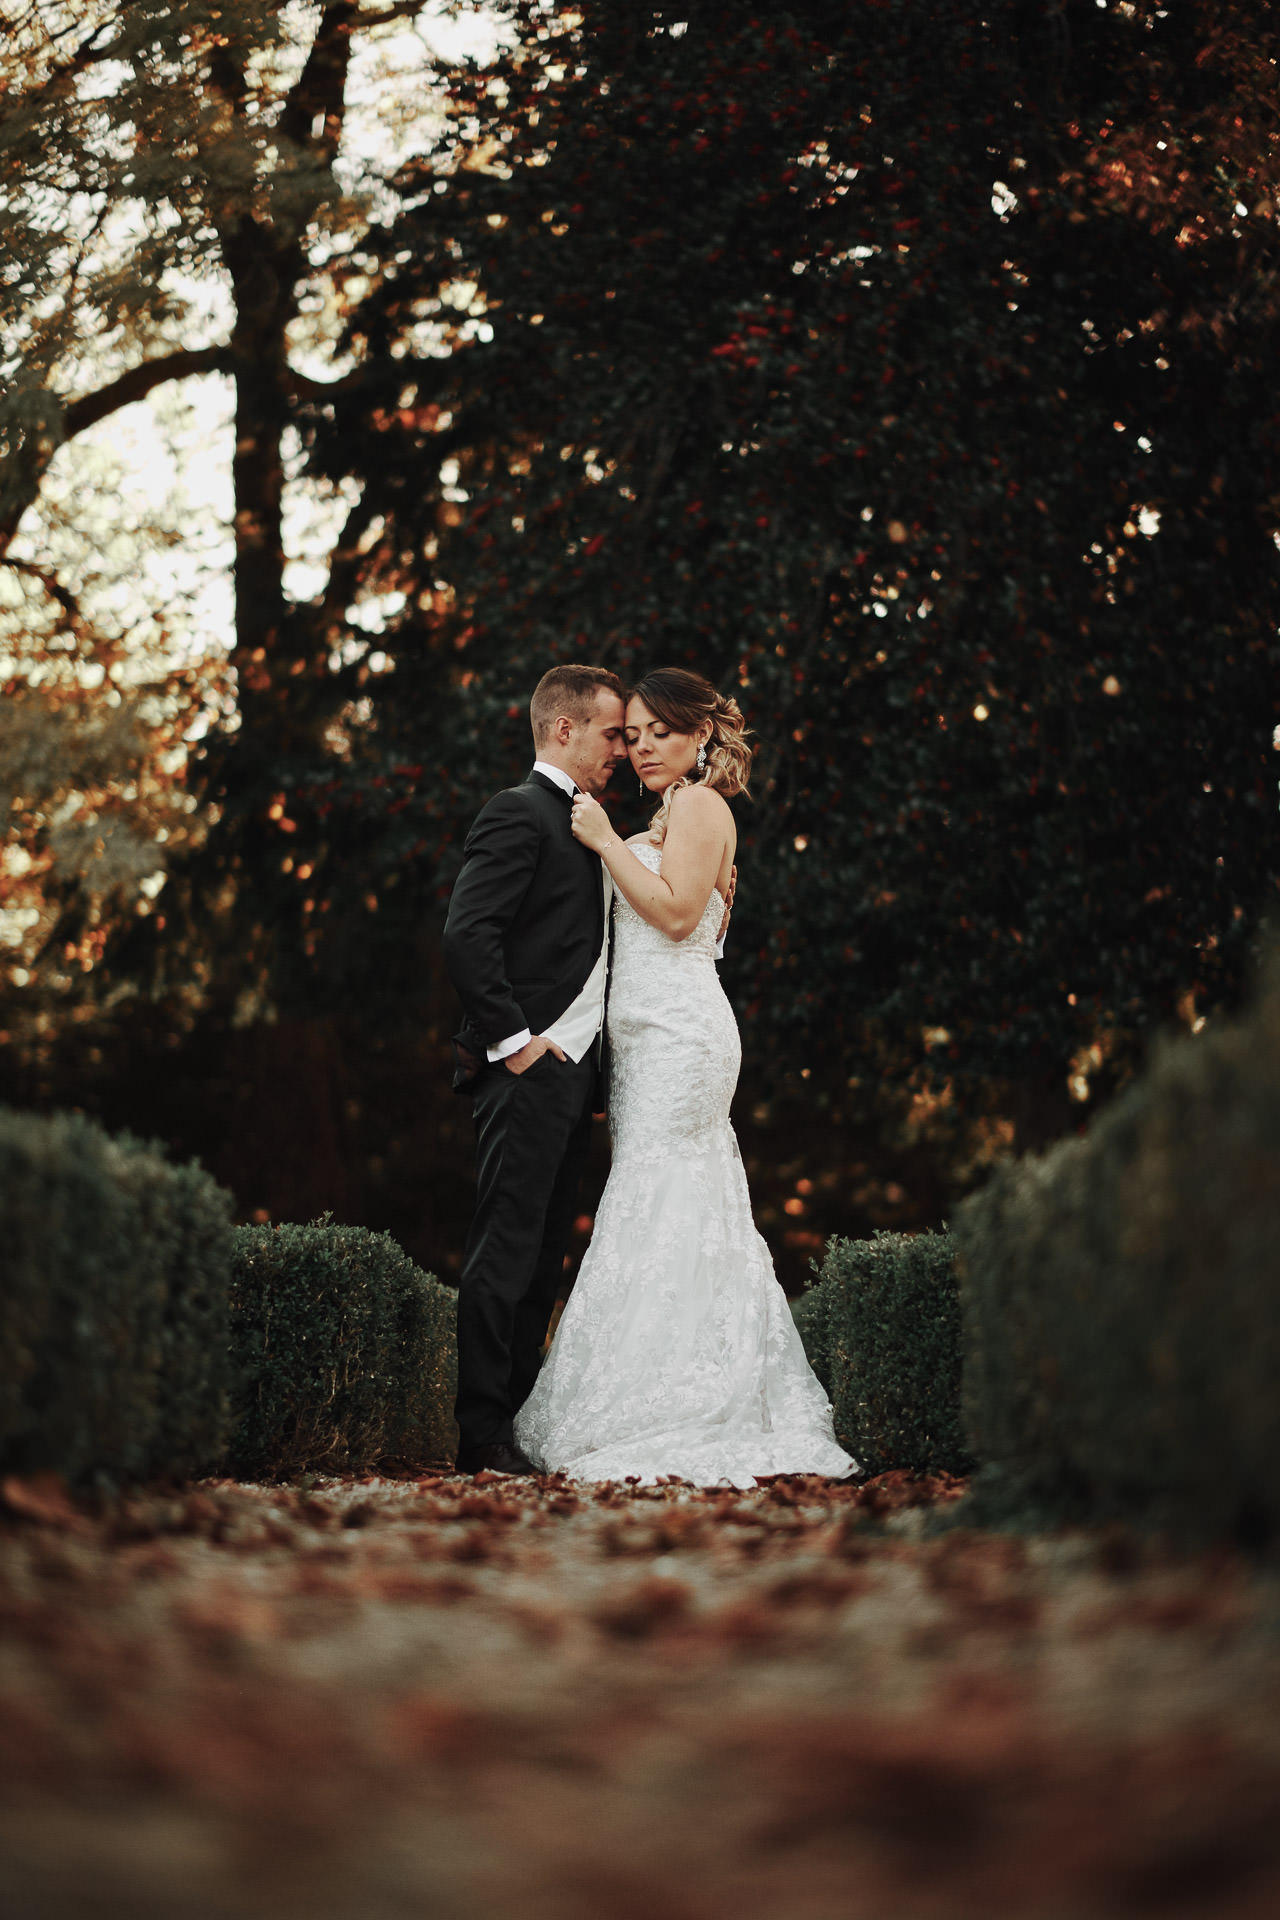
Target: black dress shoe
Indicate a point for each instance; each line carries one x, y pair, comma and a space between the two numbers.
501, 1456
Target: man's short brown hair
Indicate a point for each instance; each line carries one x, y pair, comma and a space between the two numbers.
571, 690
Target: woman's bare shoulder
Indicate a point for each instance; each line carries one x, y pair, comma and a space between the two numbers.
702, 804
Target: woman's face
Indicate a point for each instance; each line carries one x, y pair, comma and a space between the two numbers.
658, 754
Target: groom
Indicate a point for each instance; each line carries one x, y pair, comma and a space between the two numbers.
525, 944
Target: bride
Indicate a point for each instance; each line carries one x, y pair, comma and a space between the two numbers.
676, 1353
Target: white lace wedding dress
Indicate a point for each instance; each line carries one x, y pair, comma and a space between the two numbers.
676, 1353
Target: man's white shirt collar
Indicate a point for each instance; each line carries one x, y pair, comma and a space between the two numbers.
565, 781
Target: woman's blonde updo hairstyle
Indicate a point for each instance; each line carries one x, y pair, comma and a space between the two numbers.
684, 702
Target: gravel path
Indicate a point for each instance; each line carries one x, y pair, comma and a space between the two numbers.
453, 1698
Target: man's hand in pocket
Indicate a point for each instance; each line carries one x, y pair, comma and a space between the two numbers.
532, 1050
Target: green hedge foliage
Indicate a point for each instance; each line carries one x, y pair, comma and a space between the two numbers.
113, 1312
881, 1327
344, 1353
1123, 1301
808, 1312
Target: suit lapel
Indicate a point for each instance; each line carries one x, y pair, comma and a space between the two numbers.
536, 779
603, 891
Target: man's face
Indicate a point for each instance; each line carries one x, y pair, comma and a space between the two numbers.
597, 745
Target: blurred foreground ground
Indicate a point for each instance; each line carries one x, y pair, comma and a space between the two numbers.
446, 1698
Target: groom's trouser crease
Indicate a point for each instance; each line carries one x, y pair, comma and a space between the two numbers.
532, 1132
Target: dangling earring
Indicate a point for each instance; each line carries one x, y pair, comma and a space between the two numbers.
702, 758
643, 789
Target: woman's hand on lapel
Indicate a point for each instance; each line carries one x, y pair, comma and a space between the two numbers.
590, 823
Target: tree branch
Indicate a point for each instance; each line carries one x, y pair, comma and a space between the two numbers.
87, 54
300, 386
405, 10
27, 468
53, 587
345, 565
59, 78
139, 381
319, 93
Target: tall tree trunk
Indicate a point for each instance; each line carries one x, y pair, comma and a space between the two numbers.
266, 262
262, 279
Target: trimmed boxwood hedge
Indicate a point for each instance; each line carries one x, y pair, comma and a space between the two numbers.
113, 1313
1123, 1302
809, 1314
191, 1226
881, 1327
344, 1353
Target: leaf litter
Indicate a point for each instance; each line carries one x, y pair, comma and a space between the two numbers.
461, 1697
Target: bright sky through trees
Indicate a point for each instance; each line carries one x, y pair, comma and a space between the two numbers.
137, 509
118, 584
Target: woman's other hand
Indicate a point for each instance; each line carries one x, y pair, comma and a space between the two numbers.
728, 902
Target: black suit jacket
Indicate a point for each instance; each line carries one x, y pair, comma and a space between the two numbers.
526, 918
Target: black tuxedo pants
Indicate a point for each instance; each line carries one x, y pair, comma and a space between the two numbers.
532, 1131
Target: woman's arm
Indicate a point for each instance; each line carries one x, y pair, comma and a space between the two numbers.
698, 832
